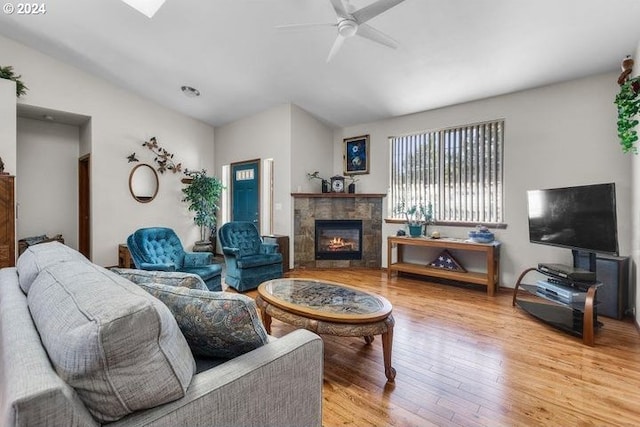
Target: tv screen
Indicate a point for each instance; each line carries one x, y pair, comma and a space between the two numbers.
581, 218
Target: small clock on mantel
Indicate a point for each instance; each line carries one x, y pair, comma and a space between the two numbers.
337, 184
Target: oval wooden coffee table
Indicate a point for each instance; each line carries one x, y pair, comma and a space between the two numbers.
329, 308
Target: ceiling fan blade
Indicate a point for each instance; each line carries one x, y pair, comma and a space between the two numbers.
368, 32
301, 26
338, 6
336, 47
373, 10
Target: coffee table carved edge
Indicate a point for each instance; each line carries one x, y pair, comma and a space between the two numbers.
365, 325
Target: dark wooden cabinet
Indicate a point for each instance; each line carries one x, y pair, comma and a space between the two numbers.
283, 248
7, 222
124, 257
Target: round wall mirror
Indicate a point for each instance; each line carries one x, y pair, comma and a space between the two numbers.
143, 183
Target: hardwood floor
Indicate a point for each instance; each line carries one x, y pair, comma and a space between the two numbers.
466, 359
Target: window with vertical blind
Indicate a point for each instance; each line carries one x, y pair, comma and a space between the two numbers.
458, 170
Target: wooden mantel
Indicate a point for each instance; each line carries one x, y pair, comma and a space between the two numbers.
336, 195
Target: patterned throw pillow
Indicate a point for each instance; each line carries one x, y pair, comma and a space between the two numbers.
215, 324
170, 278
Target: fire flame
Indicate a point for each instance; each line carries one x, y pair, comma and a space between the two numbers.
336, 241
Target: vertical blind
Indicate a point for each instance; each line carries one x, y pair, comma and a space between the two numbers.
457, 170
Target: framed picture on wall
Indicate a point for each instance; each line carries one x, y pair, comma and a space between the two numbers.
356, 155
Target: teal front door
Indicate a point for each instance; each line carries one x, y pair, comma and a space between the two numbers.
245, 192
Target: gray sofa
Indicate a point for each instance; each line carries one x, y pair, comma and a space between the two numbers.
277, 384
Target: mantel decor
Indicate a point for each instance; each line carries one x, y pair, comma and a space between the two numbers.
628, 103
325, 183
356, 155
352, 183
8, 73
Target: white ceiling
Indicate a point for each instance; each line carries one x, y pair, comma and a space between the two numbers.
451, 51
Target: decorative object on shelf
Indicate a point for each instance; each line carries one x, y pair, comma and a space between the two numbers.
401, 232
326, 185
416, 216
415, 230
356, 155
203, 194
351, 188
627, 68
337, 184
7, 73
435, 234
2, 172
163, 158
132, 158
628, 104
446, 261
481, 234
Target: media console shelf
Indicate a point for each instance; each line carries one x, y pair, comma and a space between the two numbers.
577, 318
490, 279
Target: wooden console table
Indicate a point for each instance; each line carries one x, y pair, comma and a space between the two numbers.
490, 279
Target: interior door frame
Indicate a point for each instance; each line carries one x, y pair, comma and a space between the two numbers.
257, 162
84, 205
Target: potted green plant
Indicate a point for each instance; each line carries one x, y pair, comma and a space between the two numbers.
203, 194
7, 73
416, 217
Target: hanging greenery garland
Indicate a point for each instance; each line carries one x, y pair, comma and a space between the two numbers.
7, 73
628, 103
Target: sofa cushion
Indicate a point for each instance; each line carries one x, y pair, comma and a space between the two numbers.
170, 278
215, 324
38, 257
117, 346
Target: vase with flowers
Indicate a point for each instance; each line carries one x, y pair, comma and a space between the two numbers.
351, 188
326, 185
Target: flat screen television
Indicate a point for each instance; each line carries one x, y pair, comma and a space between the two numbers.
581, 218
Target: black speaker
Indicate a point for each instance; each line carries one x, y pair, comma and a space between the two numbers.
613, 272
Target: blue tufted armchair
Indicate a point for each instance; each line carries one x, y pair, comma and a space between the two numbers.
159, 249
249, 260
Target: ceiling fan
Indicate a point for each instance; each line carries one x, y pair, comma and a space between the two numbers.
353, 22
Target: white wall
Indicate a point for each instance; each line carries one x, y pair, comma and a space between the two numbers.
120, 123
311, 150
298, 143
8, 123
559, 135
265, 135
47, 191
635, 177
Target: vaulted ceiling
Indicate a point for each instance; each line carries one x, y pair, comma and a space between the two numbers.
450, 51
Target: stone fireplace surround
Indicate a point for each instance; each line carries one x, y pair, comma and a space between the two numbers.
308, 207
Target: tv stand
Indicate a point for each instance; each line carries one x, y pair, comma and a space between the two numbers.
578, 318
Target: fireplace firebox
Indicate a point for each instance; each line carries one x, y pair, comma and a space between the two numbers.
338, 239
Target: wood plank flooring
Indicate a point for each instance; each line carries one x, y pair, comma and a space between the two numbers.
466, 359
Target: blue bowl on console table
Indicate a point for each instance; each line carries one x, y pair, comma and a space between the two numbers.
481, 235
